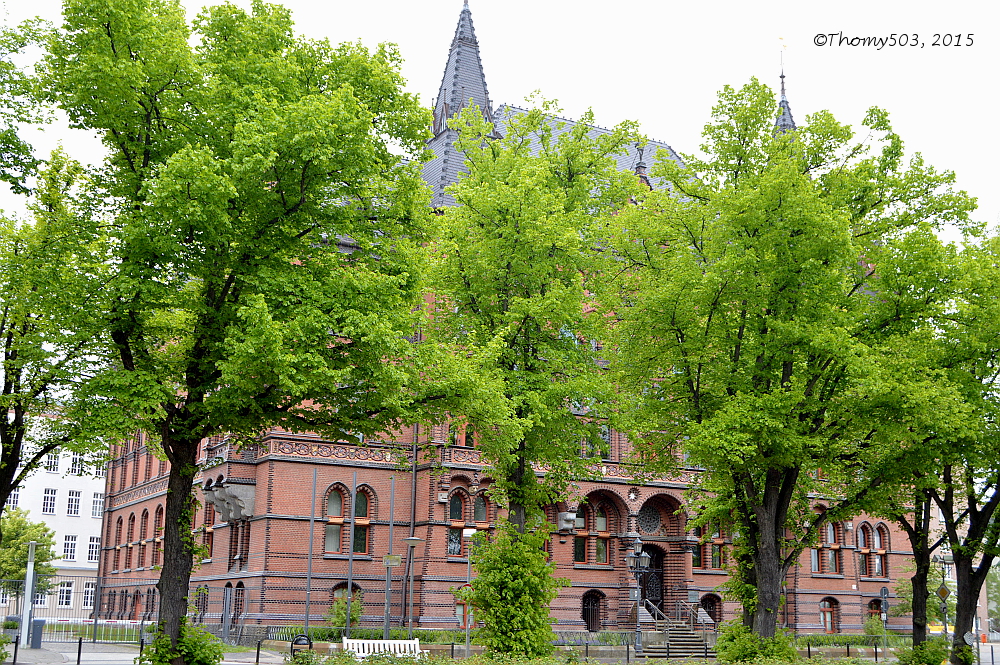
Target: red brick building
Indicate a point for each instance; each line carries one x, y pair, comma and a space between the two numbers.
259, 510
255, 520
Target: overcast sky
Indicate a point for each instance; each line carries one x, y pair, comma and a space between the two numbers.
661, 63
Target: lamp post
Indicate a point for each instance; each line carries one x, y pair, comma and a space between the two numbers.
467, 534
411, 542
943, 591
637, 562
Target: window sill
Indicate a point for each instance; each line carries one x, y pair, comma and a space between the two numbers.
832, 576
454, 558
345, 557
876, 579
593, 566
206, 561
709, 571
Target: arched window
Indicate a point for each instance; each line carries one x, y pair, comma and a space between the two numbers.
880, 556
333, 536
239, 599
143, 529
361, 516
456, 507
129, 537
865, 560
118, 531
712, 605
875, 608
158, 535
479, 508
828, 611
207, 532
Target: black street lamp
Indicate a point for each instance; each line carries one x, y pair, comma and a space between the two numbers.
637, 562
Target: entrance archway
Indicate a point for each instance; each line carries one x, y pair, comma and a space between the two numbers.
592, 610
652, 582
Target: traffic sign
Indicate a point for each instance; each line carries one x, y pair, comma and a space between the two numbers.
969, 638
943, 592
884, 592
392, 560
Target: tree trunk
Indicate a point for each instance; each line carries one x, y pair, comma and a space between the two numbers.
919, 595
969, 584
769, 573
518, 496
178, 559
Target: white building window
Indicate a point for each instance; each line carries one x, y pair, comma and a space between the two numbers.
49, 501
94, 549
69, 548
73, 503
4, 597
101, 471
76, 465
97, 508
52, 462
41, 600
65, 594
13, 498
89, 595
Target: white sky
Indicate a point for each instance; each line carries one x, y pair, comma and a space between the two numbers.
662, 63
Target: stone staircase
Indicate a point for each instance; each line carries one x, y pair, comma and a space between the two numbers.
680, 642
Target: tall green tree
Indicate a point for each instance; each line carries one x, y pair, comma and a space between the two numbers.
266, 230
511, 264
52, 272
14, 554
756, 324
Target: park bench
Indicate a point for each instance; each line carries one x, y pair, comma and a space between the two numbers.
364, 648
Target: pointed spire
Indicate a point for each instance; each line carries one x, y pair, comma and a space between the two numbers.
463, 75
463, 80
785, 121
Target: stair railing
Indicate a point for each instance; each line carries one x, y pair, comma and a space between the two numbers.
689, 610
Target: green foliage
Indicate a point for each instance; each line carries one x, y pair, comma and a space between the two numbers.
337, 614
52, 271
4, 641
508, 271
931, 652
512, 591
749, 338
195, 646
10, 624
738, 644
874, 626
18, 531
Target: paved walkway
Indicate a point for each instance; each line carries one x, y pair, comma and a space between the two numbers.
116, 654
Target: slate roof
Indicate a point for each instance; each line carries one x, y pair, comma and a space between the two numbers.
464, 80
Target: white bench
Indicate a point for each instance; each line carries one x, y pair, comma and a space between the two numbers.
364, 648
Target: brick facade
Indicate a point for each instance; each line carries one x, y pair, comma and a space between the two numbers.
255, 519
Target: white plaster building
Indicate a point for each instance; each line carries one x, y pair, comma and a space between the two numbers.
68, 496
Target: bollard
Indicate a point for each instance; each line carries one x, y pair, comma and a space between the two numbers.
453, 651
809, 650
586, 650
16, 642
626, 652
876, 653
258, 653
706, 648
848, 649
79, 650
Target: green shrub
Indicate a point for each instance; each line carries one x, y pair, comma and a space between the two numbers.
4, 641
336, 616
10, 624
739, 644
195, 645
932, 652
874, 626
512, 592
